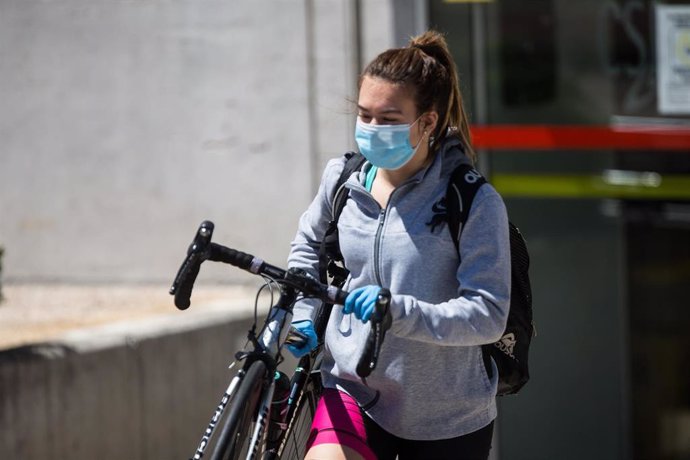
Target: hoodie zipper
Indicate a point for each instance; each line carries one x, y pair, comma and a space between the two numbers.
377, 244
379, 232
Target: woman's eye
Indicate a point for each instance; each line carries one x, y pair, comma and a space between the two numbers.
365, 118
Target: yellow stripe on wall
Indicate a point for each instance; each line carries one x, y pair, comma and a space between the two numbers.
590, 186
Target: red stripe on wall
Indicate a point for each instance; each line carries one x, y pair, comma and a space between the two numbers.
555, 137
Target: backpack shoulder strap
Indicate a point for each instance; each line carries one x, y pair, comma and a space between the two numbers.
329, 248
353, 162
462, 187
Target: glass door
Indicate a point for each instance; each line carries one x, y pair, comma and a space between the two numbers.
579, 114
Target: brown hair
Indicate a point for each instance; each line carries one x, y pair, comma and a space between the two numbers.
426, 67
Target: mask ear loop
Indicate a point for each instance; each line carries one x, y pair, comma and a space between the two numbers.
420, 141
423, 134
432, 139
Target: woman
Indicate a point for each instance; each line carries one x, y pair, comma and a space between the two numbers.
431, 396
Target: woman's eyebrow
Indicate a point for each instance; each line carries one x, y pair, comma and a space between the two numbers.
386, 111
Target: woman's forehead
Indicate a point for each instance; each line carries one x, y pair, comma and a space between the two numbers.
384, 96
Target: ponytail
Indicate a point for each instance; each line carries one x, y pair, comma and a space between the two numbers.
426, 66
452, 117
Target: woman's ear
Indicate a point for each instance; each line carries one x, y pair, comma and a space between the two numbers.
429, 121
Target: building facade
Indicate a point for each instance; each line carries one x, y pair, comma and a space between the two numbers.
124, 124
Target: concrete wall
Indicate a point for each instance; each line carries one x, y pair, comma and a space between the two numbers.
124, 124
135, 391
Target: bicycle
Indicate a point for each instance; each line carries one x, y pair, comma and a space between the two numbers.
266, 415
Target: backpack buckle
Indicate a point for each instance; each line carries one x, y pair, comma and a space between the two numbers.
338, 273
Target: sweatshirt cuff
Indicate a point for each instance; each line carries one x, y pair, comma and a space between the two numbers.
305, 310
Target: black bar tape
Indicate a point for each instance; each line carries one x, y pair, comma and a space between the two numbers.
365, 364
340, 296
196, 254
219, 253
184, 281
380, 323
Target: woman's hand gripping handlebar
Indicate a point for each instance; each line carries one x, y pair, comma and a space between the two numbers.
203, 249
381, 321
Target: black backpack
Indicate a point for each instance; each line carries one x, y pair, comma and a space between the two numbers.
510, 352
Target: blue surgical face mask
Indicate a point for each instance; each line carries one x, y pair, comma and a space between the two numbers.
385, 146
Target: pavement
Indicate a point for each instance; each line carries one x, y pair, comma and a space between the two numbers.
42, 313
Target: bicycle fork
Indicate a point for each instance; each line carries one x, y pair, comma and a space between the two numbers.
261, 422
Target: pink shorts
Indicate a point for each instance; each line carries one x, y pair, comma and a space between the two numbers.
338, 420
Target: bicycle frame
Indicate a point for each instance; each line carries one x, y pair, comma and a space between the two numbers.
266, 347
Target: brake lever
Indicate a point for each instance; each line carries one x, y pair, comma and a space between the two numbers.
381, 321
198, 252
296, 338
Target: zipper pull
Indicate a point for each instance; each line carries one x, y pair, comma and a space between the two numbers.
382, 218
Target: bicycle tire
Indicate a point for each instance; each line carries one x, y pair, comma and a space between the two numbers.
294, 443
242, 414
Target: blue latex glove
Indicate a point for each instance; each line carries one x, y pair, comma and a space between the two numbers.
362, 302
306, 327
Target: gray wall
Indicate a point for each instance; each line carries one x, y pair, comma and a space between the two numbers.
130, 391
124, 124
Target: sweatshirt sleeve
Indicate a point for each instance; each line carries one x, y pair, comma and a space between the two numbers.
304, 251
478, 315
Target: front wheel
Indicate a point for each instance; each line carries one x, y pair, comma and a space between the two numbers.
243, 411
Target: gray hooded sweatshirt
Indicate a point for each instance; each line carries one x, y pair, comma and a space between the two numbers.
431, 382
